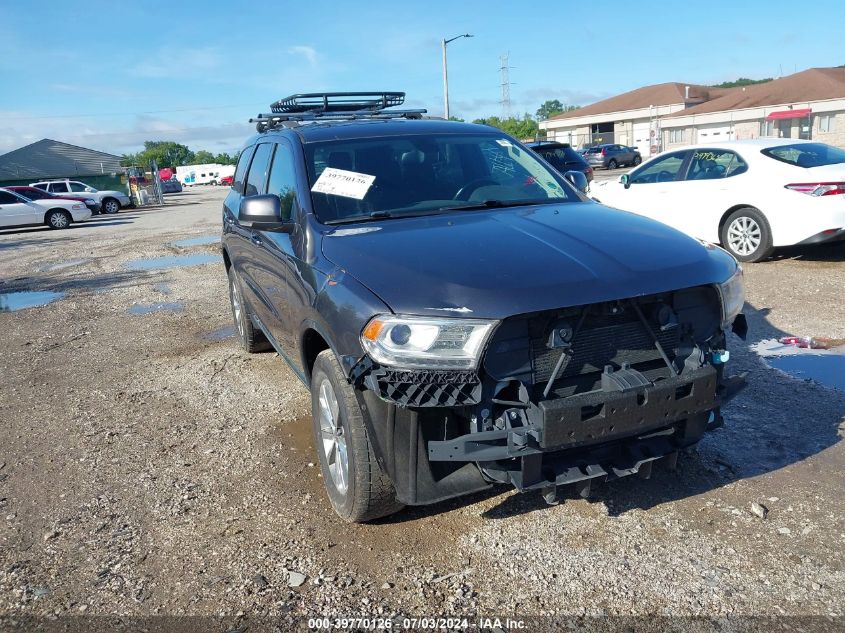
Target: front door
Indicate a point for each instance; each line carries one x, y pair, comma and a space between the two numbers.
653, 187
14, 211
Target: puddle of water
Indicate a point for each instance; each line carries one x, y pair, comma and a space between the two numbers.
68, 264
12, 301
155, 307
173, 261
221, 334
202, 240
826, 369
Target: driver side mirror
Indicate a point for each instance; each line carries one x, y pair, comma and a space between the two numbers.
625, 179
263, 213
578, 180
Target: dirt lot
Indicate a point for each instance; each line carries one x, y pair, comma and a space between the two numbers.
149, 466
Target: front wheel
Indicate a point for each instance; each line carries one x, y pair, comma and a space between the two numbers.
111, 206
611, 164
746, 235
637, 160
357, 487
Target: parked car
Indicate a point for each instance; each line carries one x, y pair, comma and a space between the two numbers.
110, 201
751, 196
611, 156
562, 157
227, 181
171, 186
16, 210
34, 193
461, 314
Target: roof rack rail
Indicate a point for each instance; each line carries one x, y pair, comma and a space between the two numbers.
337, 106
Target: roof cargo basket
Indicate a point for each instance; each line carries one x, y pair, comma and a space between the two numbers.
335, 106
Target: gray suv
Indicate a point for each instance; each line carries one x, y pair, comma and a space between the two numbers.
612, 156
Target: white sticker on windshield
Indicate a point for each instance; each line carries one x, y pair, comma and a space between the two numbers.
504, 143
339, 182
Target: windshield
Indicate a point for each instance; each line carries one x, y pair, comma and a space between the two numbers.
806, 154
419, 175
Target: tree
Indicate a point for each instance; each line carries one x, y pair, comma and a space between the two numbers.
742, 81
224, 159
127, 160
166, 154
521, 128
550, 108
455, 118
203, 157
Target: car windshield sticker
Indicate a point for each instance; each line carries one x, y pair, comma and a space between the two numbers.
503, 142
339, 182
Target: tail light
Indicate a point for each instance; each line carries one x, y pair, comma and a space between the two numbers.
604, 151
818, 188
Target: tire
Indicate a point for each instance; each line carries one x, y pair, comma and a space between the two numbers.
252, 339
361, 492
612, 164
746, 235
58, 219
213, 183
110, 206
637, 160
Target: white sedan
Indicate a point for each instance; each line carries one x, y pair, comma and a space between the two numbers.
751, 196
15, 210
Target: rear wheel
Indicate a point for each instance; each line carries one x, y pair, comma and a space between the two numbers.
612, 164
746, 235
637, 160
111, 206
252, 340
356, 486
58, 219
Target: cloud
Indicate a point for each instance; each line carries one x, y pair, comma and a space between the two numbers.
118, 137
93, 90
308, 52
196, 63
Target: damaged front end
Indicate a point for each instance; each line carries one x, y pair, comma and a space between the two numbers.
560, 397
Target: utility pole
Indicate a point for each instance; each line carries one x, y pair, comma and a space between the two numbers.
443, 43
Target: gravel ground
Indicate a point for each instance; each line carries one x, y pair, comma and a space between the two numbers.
150, 467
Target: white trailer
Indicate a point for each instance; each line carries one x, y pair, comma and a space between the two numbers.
208, 174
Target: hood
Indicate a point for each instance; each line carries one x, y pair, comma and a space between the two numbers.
495, 264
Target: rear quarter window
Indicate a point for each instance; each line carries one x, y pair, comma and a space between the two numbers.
806, 154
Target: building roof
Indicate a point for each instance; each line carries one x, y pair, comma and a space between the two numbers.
53, 159
656, 95
814, 84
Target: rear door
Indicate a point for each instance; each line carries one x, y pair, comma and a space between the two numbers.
261, 296
58, 187
708, 188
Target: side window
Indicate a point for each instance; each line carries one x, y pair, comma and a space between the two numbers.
41, 185
7, 198
664, 169
710, 164
258, 170
77, 186
283, 179
58, 187
240, 170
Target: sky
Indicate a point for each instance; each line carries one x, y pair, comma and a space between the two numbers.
111, 75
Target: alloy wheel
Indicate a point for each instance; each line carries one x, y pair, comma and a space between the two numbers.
332, 436
237, 307
744, 236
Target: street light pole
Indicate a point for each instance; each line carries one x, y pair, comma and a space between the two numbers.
446, 73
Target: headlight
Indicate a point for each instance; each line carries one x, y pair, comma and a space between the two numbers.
425, 343
90, 201
733, 296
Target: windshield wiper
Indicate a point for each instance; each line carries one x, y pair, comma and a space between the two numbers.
501, 204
